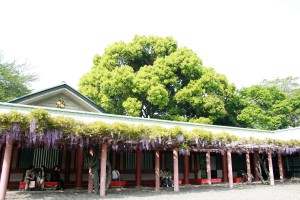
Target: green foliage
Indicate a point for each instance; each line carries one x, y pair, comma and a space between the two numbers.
14, 80
8, 119
42, 118
264, 108
201, 120
132, 106
66, 125
184, 146
294, 115
291, 87
151, 77
125, 132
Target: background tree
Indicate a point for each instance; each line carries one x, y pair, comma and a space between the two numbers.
152, 77
264, 108
14, 79
291, 88
287, 85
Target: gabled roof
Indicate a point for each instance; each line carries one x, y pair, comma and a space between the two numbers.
62, 89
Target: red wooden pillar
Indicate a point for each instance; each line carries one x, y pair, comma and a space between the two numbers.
157, 181
79, 161
103, 169
186, 169
280, 166
176, 171
229, 161
248, 167
138, 172
6, 168
208, 168
271, 174
90, 183
255, 162
224, 168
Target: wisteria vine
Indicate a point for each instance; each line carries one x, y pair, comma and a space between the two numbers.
39, 129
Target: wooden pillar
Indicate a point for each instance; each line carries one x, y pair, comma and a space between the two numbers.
224, 168
103, 169
157, 181
68, 165
230, 176
255, 162
281, 167
138, 169
271, 174
186, 169
6, 168
208, 168
90, 183
79, 161
248, 167
176, 171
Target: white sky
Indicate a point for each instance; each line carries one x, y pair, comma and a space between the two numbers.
248, 41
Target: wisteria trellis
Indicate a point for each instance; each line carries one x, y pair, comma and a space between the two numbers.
39, 129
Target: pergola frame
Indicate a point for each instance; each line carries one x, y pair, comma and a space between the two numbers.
175, 140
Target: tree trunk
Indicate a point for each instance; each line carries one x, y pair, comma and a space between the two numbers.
262, 162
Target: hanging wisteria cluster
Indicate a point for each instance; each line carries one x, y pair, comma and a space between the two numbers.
39, 129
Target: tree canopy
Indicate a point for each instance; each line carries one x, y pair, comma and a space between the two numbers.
287, 85
14, 79
291, 88
152, 77
264, 108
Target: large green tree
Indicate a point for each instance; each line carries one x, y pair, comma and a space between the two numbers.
291, 87
15, 79
152, 77
264, 108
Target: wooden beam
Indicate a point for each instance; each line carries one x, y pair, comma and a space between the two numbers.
138, 169
103, 169
271, 174
6, 168
176, 171
186, 169
224, 168
208, 167
157, 181
229, 161
248, 168
79, 166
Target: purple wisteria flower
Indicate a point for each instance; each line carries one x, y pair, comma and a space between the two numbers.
41, 136
180, 138
16, 129
33, 125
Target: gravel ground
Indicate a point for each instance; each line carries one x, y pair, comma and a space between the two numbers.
281, 191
